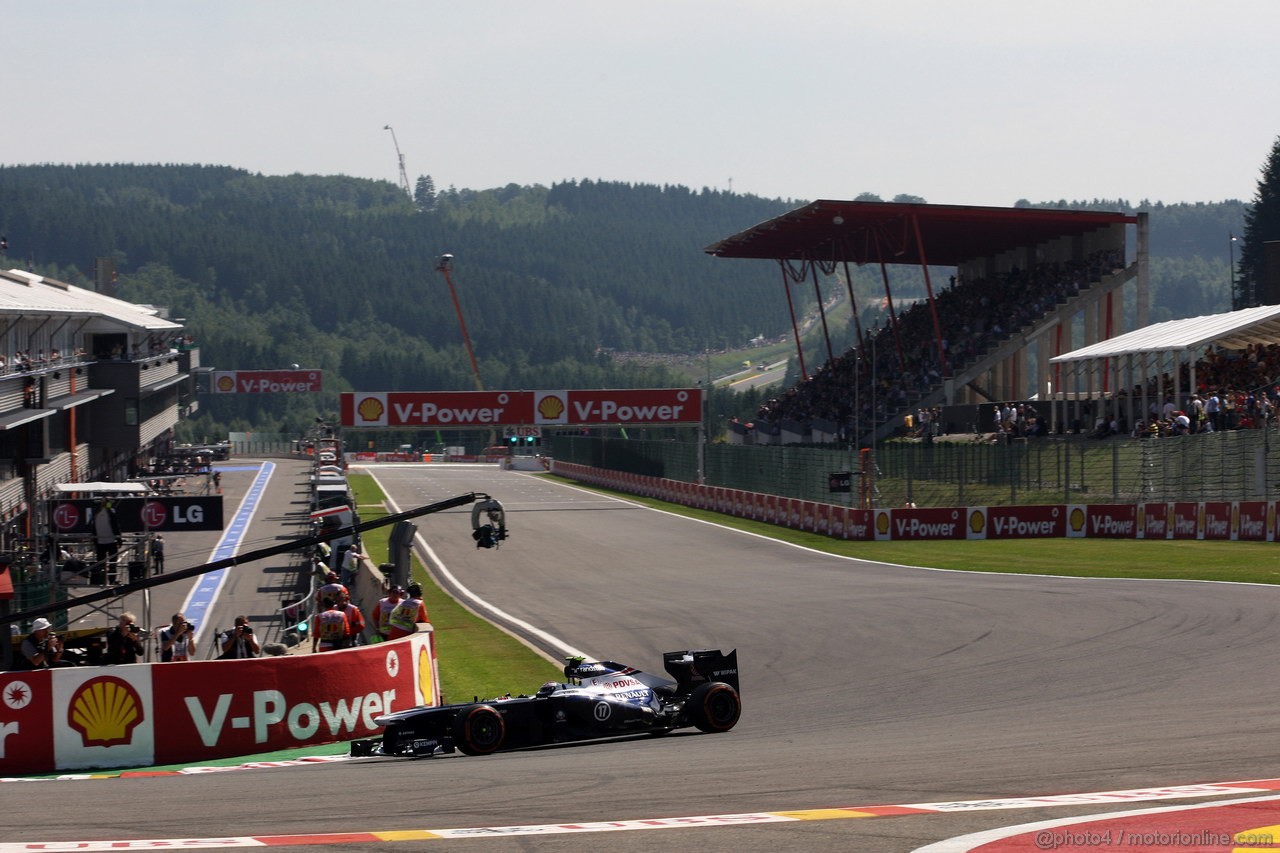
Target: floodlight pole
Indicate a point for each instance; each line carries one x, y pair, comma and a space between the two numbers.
443, 266
404, 176
1238, 300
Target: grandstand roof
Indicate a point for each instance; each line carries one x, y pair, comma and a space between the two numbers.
23, 293
1232, 330
870, 232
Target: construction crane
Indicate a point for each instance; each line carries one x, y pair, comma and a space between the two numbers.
404, 176
443, 265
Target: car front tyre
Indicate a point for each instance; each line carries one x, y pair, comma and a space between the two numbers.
479, 730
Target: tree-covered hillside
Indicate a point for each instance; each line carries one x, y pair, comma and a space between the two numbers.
339, 273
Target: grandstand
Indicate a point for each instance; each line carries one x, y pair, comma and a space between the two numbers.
1030, 285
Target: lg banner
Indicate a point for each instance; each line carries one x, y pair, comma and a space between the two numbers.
662, 406
140, 515
267, 381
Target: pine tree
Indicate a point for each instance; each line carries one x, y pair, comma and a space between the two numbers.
424, 194
1252, 282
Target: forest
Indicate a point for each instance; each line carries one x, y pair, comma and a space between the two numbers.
581, 284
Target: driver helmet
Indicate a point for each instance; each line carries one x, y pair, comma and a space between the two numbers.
548, 688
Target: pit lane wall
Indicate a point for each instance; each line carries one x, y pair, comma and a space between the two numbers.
139, 715
1230, 520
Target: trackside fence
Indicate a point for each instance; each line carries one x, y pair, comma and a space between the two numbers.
1253, 520
1223, 466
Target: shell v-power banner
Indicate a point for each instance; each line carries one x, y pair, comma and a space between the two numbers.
454, 409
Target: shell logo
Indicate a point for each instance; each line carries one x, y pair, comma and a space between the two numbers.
226, 383
977, 521
105, 711
1075, 519
551, 407
426, 684
370, 409
882, 523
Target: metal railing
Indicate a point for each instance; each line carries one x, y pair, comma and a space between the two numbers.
1228, 465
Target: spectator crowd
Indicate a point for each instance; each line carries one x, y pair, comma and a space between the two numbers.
900, 362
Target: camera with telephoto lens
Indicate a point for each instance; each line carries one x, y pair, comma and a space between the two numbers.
190, 627
133, 629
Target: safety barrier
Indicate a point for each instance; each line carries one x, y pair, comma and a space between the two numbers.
140, 715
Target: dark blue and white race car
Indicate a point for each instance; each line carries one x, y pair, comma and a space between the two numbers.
597, 699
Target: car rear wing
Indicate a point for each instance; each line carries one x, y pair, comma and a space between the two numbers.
699, 666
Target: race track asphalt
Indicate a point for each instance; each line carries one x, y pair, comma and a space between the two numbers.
862, 684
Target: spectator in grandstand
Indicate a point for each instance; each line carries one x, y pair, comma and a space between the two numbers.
238, 642
1213, 410
1196, 415
124, 641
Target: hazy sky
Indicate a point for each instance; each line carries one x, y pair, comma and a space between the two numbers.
961, 102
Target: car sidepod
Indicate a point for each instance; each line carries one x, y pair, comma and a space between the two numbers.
593, 713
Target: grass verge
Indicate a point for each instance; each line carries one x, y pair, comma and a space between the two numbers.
1181, 559
476, 659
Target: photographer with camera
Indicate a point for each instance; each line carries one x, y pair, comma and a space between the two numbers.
177, 641
124, 642
42, 649
239, 642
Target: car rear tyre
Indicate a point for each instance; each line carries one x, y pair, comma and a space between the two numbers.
478, 730
714, 707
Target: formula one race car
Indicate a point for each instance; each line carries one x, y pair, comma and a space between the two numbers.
598, 699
